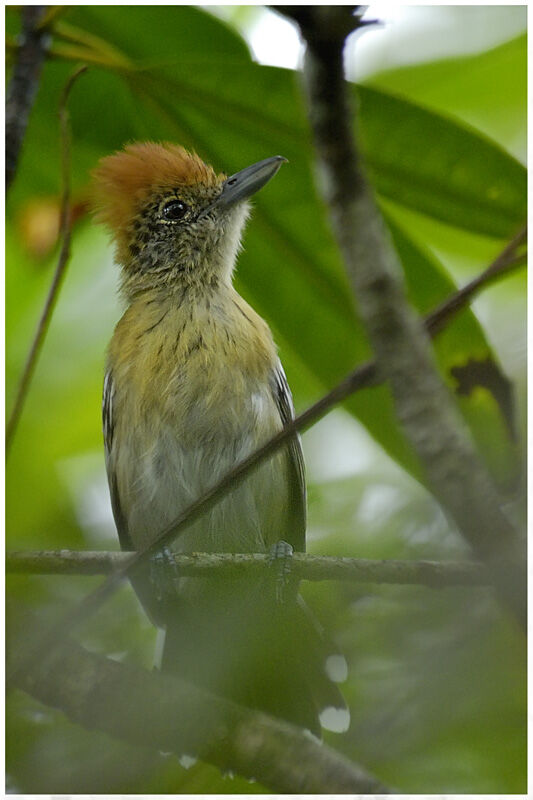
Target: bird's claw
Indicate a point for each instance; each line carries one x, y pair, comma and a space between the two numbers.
164, 573
280, 557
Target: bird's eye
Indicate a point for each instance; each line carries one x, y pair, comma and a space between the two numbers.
175, 210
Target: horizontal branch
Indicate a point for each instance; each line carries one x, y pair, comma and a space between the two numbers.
171, 715
435, 574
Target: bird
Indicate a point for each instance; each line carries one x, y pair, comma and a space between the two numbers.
194, 384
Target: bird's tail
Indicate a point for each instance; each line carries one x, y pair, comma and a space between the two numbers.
263, 655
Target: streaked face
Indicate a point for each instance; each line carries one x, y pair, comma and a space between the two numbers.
182, 230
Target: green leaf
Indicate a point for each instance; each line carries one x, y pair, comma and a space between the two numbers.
159, 34
487, 90
441, 167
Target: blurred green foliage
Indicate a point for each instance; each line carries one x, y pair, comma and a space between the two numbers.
437, 679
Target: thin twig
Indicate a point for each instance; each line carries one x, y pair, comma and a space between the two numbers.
434, 574
364, 376
24, 83
64, 255
506, 261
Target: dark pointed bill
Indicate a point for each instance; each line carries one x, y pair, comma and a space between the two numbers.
247, 182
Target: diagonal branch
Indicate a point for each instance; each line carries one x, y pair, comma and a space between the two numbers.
363, 376
424, 406
171, 715
304, 566
64, 255
507, 260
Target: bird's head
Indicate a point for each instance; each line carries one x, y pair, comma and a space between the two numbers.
174, 220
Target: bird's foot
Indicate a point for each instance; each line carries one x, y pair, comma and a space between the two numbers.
280, 558
164, 574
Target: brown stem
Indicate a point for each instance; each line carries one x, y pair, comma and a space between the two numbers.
504, 262
64, 255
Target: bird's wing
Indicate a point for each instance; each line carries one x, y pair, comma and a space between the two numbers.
107, 412
142, 579
297, 498
108, 425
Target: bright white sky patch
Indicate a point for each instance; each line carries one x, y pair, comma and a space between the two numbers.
275, 41
408, 34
